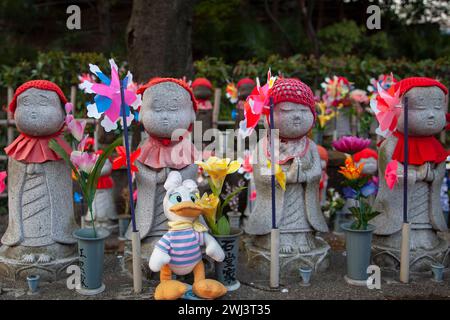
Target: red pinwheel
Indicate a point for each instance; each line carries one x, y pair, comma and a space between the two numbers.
121, 160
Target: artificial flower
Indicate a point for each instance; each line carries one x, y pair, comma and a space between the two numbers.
279, 175
121, 160
252, 195
350, 171
84, 161
369, 189
231, 93
247, 166
324, 115
218, 168
359, 96
209, 204
351, 144
390, 174
75, 127
349, 193
3, 175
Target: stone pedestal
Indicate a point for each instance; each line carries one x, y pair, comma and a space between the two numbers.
258, 259
53, 270
387, 257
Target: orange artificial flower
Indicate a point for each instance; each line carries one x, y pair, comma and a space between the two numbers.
350, 171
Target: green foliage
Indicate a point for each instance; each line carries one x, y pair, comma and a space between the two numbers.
340, 38
362, 215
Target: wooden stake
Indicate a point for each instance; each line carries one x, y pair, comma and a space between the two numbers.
216, 107
137, 271
405, 250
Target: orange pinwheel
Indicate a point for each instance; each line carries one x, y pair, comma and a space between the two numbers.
121, 160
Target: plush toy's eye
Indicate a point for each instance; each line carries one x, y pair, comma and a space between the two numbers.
175, 198
193, 197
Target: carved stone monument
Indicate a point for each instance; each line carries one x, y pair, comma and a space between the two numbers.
39, 238
167, 113
299, 216
244, 87
427, 103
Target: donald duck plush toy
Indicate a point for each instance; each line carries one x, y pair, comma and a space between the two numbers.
179, 250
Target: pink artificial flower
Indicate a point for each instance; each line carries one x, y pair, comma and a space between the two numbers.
253, 196
75, 127
135, 194
351, 144
247, 165
391, 174
3, 175
84, 161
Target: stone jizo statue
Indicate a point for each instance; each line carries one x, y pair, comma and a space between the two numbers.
167, 113
427, 103
41, 217
299, 216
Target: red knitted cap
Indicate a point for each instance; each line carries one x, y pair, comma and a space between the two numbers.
246, 81
365, 154
408, 83
201, 82
181, 83
37, 84
292, 90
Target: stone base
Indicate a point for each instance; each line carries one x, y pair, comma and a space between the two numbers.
51, 271
359, 283
388, 258
258, 259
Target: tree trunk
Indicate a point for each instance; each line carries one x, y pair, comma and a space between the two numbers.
159, 39
104, 23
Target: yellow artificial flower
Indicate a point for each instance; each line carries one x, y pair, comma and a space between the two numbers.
279, 175
209, 204
350, 171
218, 168
323, 117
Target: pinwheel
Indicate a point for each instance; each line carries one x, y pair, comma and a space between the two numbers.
336, 90
384, 80
257, 104
108, 100
390, 174
121, 160
113, 100
387, 108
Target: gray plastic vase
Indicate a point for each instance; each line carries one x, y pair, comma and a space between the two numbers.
91, 251
358, 247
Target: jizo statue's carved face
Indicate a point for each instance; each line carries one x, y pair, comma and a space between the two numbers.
202, 92
39, 112
245, 90
165, 108
370, 165
427, 107
293, 120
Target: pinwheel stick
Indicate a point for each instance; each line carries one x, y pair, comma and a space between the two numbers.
135, 237
404, 254
275, 233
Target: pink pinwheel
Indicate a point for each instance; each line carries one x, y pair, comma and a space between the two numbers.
3, 175
257, 103
84, 161
351, 144
390, 174
384, 80
108, 97
387, 108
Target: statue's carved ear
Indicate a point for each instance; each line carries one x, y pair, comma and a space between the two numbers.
173, 180
191, 185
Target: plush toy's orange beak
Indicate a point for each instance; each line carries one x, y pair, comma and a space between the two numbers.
187, 209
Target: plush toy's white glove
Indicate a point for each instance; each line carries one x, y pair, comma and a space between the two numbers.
158, 259
213, 249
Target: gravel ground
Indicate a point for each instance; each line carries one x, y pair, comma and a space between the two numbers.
327, 285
